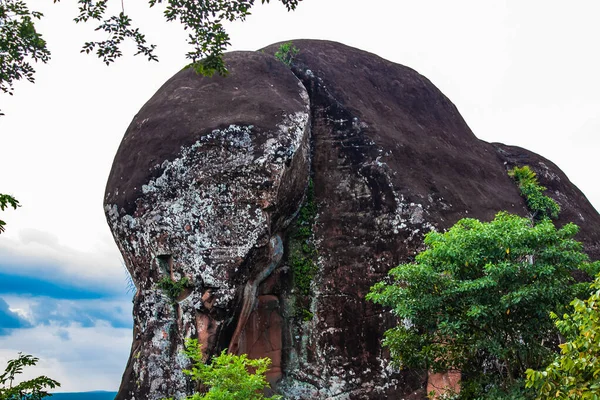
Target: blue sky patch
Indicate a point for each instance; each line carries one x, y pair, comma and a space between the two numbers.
46, 286
10, 320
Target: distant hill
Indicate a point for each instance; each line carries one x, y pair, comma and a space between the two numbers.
84, 396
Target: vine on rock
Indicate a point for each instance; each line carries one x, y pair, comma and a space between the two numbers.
302, 250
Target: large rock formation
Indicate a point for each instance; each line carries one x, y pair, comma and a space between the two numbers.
209, 179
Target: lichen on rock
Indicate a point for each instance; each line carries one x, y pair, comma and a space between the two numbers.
211, 208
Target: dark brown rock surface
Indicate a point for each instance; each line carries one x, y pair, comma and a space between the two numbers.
212, 170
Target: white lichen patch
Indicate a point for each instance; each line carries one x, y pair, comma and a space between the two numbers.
547, 173
406, 216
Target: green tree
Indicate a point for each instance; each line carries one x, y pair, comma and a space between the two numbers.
228, 376
5, 202
33, 389
575, 373
20, 43
478, 299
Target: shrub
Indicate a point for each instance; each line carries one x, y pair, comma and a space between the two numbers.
541, 206
575, 373
478, 299
286, 53
228, 376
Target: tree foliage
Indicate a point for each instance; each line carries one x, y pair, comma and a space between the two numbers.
541, 206
33, 389
575, 373
227, 376
20, 43
5, 202
478, 299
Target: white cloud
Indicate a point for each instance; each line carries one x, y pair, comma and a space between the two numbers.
81, 359
40, 310
34, 252
83, 344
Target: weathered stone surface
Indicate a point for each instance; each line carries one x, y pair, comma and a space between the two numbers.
211, 172
208, 174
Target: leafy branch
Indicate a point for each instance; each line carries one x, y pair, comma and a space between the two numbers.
20, 43
5, 202
33, 389
204, 20
575, 373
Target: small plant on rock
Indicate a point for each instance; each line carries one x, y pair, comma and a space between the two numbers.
302, 248
286, 53
541, 206
227, 376
173, 288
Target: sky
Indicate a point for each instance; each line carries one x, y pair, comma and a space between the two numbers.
522, 73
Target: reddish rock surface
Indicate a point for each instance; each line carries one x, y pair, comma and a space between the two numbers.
390, 158
443, 383
262, 336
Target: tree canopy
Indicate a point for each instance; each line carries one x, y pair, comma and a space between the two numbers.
478, 299
20, 43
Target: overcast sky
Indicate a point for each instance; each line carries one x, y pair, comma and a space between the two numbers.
523, 73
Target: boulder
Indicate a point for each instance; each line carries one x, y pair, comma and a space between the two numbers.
275, 197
